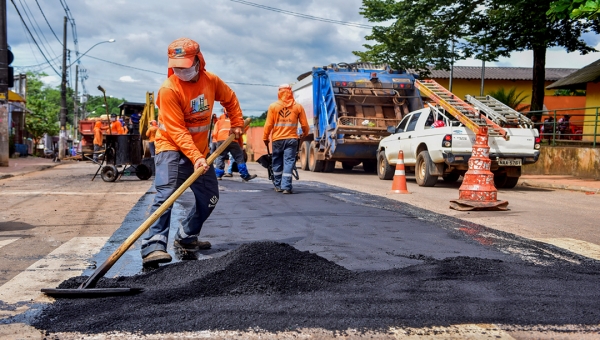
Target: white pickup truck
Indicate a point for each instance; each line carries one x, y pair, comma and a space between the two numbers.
444, 150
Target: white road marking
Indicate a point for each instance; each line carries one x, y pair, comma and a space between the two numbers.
6, 242
584, 248
68, 260
66, 193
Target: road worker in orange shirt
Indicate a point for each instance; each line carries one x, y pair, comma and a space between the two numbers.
98, 142
282, 121
186, 100
221, 132
116, 128
151, 134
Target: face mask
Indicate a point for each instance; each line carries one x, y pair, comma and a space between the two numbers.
113, 119
186, 74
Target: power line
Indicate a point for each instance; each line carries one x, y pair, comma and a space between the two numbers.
305, 16
34, 24
44, 15
32, 37
164, 73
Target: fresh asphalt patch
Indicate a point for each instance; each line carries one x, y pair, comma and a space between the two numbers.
336, 259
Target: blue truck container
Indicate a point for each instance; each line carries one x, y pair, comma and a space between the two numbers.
349, 108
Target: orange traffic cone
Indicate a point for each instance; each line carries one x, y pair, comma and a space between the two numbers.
399, 183
477, 191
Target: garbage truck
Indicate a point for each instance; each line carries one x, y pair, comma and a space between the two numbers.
349, 108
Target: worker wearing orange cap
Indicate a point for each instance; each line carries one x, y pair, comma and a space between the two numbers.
98, 142
221, 132
186, 101
151, 134
282, 121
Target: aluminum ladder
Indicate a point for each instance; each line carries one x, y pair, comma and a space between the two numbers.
500, 113
465, 113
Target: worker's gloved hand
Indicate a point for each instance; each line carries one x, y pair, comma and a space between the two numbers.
201, 163
237, 131
267, 142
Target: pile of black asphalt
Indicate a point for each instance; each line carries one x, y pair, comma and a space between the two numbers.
275, 286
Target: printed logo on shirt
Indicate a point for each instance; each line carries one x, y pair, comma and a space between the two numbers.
213, 202
198, 104
285, 112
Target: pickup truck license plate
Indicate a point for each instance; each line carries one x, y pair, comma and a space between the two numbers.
510, 161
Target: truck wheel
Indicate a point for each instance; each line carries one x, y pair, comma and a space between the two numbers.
304, 154
422, 170
314, 165
500, 180
109, 173
451, 177
384, 170
370, 167
511, 182
329, 166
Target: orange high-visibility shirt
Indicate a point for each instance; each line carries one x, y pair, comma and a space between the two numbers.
98, 134
186, 111
283, 121
116, 128
151, 133
222, 128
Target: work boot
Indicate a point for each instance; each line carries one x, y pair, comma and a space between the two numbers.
192, 244
228, 175
156, 257
248, 177
219, 177
278, 190
287, 191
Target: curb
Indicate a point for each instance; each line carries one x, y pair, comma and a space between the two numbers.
28, 171
545, 185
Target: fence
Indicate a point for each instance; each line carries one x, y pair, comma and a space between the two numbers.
568, 126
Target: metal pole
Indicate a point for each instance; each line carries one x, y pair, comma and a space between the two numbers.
595, 129
4, 134
482, 77
62, 140
75, 108
451, 69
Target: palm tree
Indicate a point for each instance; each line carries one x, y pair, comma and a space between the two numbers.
511, 98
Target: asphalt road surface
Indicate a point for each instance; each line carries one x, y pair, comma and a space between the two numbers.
332, 261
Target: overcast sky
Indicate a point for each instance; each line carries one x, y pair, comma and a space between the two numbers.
242, 44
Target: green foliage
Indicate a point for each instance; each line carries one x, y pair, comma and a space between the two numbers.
567, 92
422, 31
95, 105
44, 106
511, 98
574, 9
257, 122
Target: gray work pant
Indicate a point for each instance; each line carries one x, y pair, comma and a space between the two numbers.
172, 169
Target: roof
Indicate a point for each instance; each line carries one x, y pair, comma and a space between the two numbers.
578, 80
501, 73
12, 97
131, 104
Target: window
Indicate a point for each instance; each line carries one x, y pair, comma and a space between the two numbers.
413, 122
402, 124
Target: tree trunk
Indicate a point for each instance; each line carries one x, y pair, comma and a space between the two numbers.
539, 78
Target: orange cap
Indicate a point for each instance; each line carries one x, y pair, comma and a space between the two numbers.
182, 52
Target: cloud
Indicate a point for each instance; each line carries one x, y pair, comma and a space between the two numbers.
128, 79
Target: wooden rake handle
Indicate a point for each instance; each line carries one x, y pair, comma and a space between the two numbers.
105, 267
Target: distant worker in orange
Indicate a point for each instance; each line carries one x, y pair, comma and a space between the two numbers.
186, 101
151, 134
221, 133
282, 121
116, 128
97, 139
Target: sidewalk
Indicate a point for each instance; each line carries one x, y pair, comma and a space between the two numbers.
589, 186
24, 165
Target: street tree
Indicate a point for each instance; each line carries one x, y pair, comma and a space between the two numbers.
419, 34
42, 117
575, 9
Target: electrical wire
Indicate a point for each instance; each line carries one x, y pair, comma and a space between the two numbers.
305, 16
32, 37
34, 24
164, 73
44, 15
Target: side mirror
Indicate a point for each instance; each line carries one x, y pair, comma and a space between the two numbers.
391, 129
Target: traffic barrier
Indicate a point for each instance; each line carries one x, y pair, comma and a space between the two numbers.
399, 183
477, 191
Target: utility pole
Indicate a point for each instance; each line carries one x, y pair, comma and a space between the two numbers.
4, 135
62, 140
75, 108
